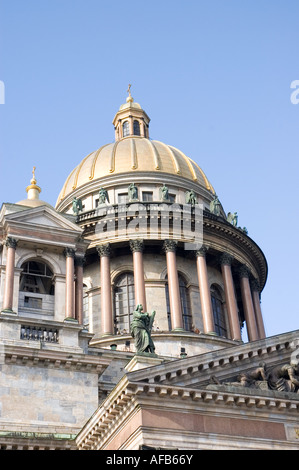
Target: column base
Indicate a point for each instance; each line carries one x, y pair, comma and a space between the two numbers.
212, 333
106, 335
71, 320
8, 310
178, 330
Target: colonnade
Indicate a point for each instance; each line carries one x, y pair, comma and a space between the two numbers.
249, 291
74, 289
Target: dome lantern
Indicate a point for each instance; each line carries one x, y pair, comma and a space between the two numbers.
131, 119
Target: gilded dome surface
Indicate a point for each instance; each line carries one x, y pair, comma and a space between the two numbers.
130, 155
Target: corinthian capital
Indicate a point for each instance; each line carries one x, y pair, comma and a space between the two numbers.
11, 243
244, 271
69, 252
104, 250
202, 251
225, 258
170, 245
136, 245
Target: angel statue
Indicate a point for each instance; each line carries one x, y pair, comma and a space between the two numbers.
103, 196
77, 205
191, 197
232, 218
215, 206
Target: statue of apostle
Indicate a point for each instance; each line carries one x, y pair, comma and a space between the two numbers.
141, 327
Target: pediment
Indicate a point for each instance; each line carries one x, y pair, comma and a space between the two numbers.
238, 366
42, 217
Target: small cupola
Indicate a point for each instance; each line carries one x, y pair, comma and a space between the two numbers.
131, 120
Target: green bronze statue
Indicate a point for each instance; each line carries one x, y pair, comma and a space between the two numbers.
77, 206
141, 327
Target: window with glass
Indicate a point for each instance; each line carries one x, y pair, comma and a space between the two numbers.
122, 198
126, 128
218, 311
136, 127
36, 277
185, 304
147, 196
124, 302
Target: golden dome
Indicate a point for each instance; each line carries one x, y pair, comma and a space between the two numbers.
130, 155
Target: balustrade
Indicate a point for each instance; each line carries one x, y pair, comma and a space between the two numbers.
50, 335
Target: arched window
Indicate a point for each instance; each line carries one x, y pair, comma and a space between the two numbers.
124, 302
36, 277
218, 311
185, 304
126, 128
136, 128
36, 288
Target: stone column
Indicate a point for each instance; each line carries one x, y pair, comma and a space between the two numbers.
173, 285
231, 303
205, 294
11, 245
131, 125
69, 284
137, 250
248, 304
255, 289
79, 262
106, 300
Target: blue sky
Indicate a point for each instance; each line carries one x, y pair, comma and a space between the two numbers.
214, 76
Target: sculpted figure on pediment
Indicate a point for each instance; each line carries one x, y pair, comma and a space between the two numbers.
247, 379
285, 378
282, 378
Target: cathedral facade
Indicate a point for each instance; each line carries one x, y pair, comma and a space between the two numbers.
138, 227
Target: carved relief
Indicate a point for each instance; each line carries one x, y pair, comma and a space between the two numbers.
282, 378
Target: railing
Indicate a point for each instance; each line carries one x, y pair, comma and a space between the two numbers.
132, 207
150, 220
33, 333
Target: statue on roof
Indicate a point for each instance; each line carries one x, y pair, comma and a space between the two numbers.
133, 192
141, 328
164, 193
215, 206
77, 205
103, 196
232, 218
191, 197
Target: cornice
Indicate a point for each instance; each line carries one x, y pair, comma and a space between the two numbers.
124, 179
241, 246
197, 370
60, 359
129, 397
